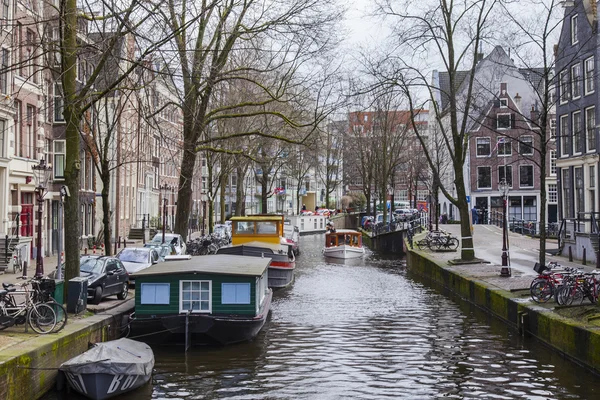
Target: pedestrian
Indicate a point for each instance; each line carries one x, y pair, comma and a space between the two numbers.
303, 207
474, 216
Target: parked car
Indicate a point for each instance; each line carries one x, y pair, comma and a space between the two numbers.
106, 275
173, 238
403, 214
136, 259
164, 249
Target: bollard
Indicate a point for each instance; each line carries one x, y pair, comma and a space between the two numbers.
115, 247
102, 248
85, 251
94, 249
124, 242
584, 260
570, 254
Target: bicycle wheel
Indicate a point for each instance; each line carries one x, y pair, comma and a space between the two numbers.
41, 318
541, 290
453, 243
61, 315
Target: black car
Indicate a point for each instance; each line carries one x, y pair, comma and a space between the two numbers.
106, 277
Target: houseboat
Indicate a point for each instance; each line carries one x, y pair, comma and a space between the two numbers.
215, 299
263, 236
343, 243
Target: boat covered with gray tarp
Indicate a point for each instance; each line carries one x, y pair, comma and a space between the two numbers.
110, 368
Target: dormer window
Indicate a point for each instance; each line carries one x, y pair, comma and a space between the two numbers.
503, 103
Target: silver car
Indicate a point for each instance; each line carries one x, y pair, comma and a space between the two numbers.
136, 259
174, 239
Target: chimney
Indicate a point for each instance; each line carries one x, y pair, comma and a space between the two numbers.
479, 57
518, 101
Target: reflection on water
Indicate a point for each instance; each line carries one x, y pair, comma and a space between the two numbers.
363, 329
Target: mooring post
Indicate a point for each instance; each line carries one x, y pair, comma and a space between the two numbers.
584, 260
570, 254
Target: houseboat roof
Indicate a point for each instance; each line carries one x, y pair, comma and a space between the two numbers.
344, 232
211, 264
258, 218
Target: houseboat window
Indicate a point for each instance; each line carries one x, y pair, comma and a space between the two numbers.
266, 227
195, 296
155, 293
244, 227
235, 293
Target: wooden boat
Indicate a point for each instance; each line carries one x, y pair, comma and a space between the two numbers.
110, 368
214, 299
263, 236
343, 243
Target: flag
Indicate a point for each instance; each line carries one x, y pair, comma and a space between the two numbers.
500, 140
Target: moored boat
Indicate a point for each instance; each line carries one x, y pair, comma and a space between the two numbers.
110, 368
263, 236
343, 243
214, 299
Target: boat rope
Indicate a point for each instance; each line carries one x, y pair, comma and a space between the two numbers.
149, 334
38, 368
127, 351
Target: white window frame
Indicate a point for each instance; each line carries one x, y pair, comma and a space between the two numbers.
574, 30
498, 121
565, 93
55, 164
553, 162
489, 143
591, 111
503, 103
3, 138
575, 81
506, 141
592, 177
521, 143
224, 284
564, 136
181, 310
574, 148
552, 128
506, 168
477, 178
588, 75
58, 99
532, 176
552, 193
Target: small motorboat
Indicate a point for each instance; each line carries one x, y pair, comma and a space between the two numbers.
343, 243
110, 368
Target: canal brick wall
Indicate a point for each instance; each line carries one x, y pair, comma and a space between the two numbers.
567, 331
29, 362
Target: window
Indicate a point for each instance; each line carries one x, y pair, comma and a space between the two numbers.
58, 103
590, 128
526, 146
58, 166
574, 38
483, 147
503, 103
565, 93
553, 162
577, 142
484, 177
18, 129
553, 129
155, 293
567, 190
503, 121
592, 176
552, 193
576, 81
4, 68
235, 293
5, 13
2, 138
195, 296
505, 172
588, 76
504, 147
526, 176
579, 199
564, 135
30, 138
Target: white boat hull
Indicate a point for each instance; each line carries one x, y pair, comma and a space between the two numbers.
344, 252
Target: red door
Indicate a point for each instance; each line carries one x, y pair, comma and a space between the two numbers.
27, 214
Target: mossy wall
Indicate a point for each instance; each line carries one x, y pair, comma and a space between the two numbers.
575, 340
29, 369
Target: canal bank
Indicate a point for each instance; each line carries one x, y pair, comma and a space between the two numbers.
572, 331
29, 362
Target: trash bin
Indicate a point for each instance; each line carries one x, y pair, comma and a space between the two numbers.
77, 295
59, 291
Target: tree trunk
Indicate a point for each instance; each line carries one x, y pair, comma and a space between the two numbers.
73, 119
211, 215
184, 194
105, 177
223, 179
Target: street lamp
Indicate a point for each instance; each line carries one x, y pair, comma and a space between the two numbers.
42, 174
164, 188
503, 186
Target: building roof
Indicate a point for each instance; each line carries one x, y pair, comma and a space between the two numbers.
211, 264
258, 218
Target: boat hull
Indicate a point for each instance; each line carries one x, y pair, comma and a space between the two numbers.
101, 386
281, 269
202, 329
345, 252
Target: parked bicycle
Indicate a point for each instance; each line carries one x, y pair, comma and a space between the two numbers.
18, 307
438, 241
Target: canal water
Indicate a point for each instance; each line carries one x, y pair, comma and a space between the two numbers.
366, 329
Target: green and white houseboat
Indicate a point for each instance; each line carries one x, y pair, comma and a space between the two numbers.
219, 299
